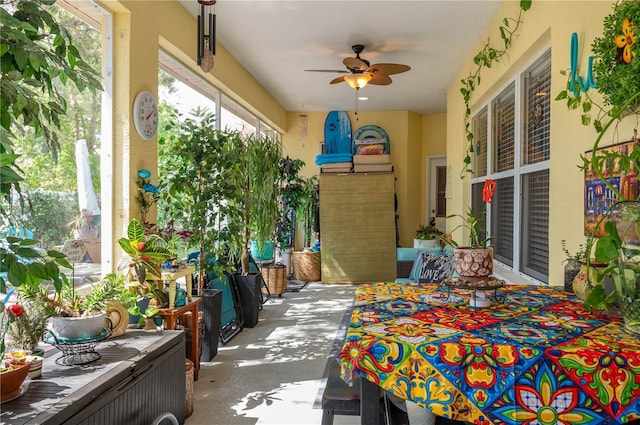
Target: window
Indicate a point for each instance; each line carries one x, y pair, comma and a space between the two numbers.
69, 198
517, 158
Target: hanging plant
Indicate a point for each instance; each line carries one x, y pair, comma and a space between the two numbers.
617, 55
616, 66
485, 58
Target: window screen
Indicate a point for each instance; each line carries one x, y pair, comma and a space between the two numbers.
537, 86
535, 224
504, 130
480, 144
502, 221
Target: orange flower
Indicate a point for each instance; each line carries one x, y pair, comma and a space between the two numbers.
626, 40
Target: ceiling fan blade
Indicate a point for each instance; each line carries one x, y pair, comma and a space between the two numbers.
355, 64
388, 68
379, 80
337, 80
339, 71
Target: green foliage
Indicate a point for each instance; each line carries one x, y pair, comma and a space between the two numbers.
264, 171
27, 265
291, 190
427, 231
475, 228
617, 80
146, 252
485, 58
306, 211
199, 172
48, 214
581, 252
38, 59
619, 85
622, 258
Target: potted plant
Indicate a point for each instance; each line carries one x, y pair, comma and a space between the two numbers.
620, 249
426, 236
306, 263
144, 255
475, 260
198, 183
290, 192
13, 370
573, 263
256, 204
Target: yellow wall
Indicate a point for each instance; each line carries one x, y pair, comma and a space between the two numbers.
545, 24
409, 141
434, 143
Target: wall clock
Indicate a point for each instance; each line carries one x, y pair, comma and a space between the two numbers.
145, 115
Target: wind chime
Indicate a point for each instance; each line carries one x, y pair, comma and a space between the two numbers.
206, 40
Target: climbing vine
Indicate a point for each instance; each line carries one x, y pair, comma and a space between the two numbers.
485, 58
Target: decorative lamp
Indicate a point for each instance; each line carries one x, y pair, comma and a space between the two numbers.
357, 81
206, 40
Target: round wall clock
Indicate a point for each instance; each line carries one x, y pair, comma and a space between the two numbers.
145, 115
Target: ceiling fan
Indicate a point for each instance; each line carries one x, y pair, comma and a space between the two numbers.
361, 72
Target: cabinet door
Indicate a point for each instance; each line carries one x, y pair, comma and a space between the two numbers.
357, 228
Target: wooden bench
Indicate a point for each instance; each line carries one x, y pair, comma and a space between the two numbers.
339, 398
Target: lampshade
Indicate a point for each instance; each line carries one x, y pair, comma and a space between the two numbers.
357, 81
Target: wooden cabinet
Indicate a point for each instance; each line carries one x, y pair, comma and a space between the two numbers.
357, 227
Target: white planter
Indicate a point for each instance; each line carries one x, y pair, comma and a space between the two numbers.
75, 328
424, 243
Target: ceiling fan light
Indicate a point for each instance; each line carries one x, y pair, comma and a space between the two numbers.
357, 81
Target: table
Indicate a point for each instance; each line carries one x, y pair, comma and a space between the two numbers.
539, 354
171, 315
172, 277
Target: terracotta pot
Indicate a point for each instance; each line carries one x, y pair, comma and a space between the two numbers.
10, 382
473, 263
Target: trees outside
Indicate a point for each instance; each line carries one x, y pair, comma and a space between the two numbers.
50, 97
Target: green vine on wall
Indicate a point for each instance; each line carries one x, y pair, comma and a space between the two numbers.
486, 57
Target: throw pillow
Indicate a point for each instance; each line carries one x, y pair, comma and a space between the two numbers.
435, 268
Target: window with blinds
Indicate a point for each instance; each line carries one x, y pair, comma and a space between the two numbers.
479, 126
537, 92
502, 219
535, 224
503, 130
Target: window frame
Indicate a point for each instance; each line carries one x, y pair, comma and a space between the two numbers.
519, 170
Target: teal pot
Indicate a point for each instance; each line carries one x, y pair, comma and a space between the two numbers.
265, 254
249, 290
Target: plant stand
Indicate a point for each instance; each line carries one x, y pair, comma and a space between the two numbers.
78, 352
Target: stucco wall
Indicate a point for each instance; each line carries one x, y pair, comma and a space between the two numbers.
548, 24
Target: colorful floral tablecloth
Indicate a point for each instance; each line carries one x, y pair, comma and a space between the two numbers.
538, 357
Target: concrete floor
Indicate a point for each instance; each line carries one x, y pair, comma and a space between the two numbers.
272, 373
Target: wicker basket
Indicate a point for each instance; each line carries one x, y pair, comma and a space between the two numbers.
306, 266
188, 364
275, 276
